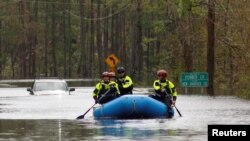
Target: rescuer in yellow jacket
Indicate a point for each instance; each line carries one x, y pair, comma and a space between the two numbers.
112, 79
165, 90
105, 90
124, 82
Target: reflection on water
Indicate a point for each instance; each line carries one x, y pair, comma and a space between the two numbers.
130, 129
52, 118
42, 130
144, 130
58, 130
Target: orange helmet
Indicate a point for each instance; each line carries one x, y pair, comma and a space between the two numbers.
162, 73
105, 74
111, 74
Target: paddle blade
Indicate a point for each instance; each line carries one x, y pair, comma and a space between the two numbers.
80, 117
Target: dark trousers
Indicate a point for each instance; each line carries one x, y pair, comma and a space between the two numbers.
106, 99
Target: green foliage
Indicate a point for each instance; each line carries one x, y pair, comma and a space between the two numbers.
159, 27
190, 6
245, 89
168, 27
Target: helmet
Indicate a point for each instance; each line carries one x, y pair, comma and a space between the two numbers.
105, 74
111, 74
162, 73
120, 70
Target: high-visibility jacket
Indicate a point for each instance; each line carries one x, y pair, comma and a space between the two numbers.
114, 84
125, 85
102, 87
160, 86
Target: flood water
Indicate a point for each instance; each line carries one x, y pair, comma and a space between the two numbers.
53, 118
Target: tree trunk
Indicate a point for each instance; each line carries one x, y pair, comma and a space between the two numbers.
87, 49
210, 45
53, 42
64, 40
92, 59
231, 70
69, 40
22, 46
106, 33
1, 65
124, 53
227, 52
187, 52
138, 56
46, 40
117, 32
99, 41
82, 66
34, 40
112, 50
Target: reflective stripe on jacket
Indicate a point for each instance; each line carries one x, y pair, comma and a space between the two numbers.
103, 87
161, 86
125, 85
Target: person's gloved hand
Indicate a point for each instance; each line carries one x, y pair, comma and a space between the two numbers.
96, 101
158, 95
173, 102
120, 87
112, 87
120, 81
163, 90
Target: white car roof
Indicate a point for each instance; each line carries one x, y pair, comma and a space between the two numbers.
50, 80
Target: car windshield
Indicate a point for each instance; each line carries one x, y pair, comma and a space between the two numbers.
41, 86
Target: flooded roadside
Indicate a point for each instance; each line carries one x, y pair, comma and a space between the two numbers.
25, 117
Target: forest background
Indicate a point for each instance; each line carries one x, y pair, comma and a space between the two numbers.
72, 38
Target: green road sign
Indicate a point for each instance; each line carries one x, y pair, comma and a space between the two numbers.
194, 79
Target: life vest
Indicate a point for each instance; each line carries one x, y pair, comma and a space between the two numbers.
161, 86
102, 87
125, 85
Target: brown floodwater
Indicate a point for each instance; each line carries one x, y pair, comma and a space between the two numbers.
53, 118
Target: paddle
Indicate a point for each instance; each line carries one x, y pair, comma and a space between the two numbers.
168, 95
82, 116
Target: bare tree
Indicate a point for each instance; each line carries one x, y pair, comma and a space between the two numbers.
1, 65
92, 41
138, 56
99, 39
53, 41
210, 44
46, 40
69, 40
64, 40
82, 67
34, 39
105, 31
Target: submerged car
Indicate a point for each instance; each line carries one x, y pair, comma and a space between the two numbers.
49, 87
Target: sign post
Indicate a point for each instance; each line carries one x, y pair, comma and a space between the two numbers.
194, 79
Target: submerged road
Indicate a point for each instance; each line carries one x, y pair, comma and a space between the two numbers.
52, 117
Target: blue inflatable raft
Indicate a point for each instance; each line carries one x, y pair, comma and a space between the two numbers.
132, 107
